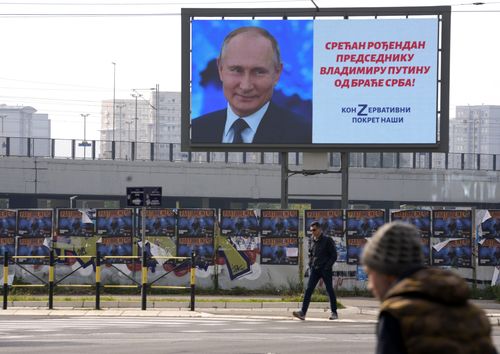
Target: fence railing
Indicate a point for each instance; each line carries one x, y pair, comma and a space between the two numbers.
146, 151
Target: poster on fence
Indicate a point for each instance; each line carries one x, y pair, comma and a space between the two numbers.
363, 223
159, 222
279, 250
279, 223
34, 248
238, 223
452, 223
7, 245
491, 225
115, 246
354, 249
330, 220
489, 252
7, 223
332, 224
421, 219
455, 252
203, 247
34, 222
75, 222
114, 222
196, 223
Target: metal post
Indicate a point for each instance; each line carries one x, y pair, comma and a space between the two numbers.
98, 281
85, 115
193, 279
51, 279
5, 279
144, 261
344, 166
144, 283
284, 180
114, 98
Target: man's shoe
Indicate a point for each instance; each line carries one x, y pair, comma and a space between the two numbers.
334, 315
299, 314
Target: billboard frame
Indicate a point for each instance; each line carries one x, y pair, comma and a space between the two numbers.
443, 67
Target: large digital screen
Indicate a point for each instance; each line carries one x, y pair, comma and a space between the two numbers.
295, 84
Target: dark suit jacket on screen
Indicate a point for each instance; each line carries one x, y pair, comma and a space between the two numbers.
278, 126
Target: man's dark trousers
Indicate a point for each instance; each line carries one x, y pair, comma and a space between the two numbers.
314, 277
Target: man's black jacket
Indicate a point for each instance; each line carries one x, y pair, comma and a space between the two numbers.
322, 253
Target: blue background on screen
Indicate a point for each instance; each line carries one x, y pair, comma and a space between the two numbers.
294, 89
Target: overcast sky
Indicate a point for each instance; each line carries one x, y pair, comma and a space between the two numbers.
61, 64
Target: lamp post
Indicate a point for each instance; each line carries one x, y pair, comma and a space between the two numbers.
84, 142
128, 128
71, 200
114, 97
136, 95
120, 106
3, 116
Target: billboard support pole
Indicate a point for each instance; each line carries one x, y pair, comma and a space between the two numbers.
344, 167
284, 180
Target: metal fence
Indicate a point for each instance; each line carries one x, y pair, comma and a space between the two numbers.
146, 151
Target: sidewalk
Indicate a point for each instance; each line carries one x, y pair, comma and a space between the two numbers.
357, 309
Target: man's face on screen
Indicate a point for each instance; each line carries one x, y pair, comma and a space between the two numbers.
248, 71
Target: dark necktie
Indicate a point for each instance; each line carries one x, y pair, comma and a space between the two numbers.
238, 126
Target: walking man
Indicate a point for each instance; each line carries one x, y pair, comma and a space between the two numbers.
322, 256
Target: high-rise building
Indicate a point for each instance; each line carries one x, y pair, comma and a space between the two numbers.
26, 129
156, 123
475, 130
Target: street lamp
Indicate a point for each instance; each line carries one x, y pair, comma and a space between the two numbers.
84, 143
3, 116
71, 200
120, 106
136, 95
114, 97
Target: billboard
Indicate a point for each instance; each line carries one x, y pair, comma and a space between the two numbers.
299, 82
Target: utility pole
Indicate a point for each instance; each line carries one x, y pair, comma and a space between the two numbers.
114, 97
136, 95
3, 116
120, 106
84, 143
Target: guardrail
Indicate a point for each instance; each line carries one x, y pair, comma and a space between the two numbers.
147, 151
51, 283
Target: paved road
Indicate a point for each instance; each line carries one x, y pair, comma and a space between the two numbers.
221, 334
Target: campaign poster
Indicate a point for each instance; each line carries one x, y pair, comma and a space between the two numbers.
114, 246
279, 223
491, 226
238, 223
7, 245
159, 222
196, 222
363, 223
452, 223
7, 223
330, 220
354, 249
114, 222
203, 247
34, 222
421, 219
74, 222
426, 250
452, 252
489, 252
279, 250
30, 247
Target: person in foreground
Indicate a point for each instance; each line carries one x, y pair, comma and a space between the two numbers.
249, 67
422, 310
322, 256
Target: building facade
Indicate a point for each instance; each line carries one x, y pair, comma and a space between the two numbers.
27, 130
476, 130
